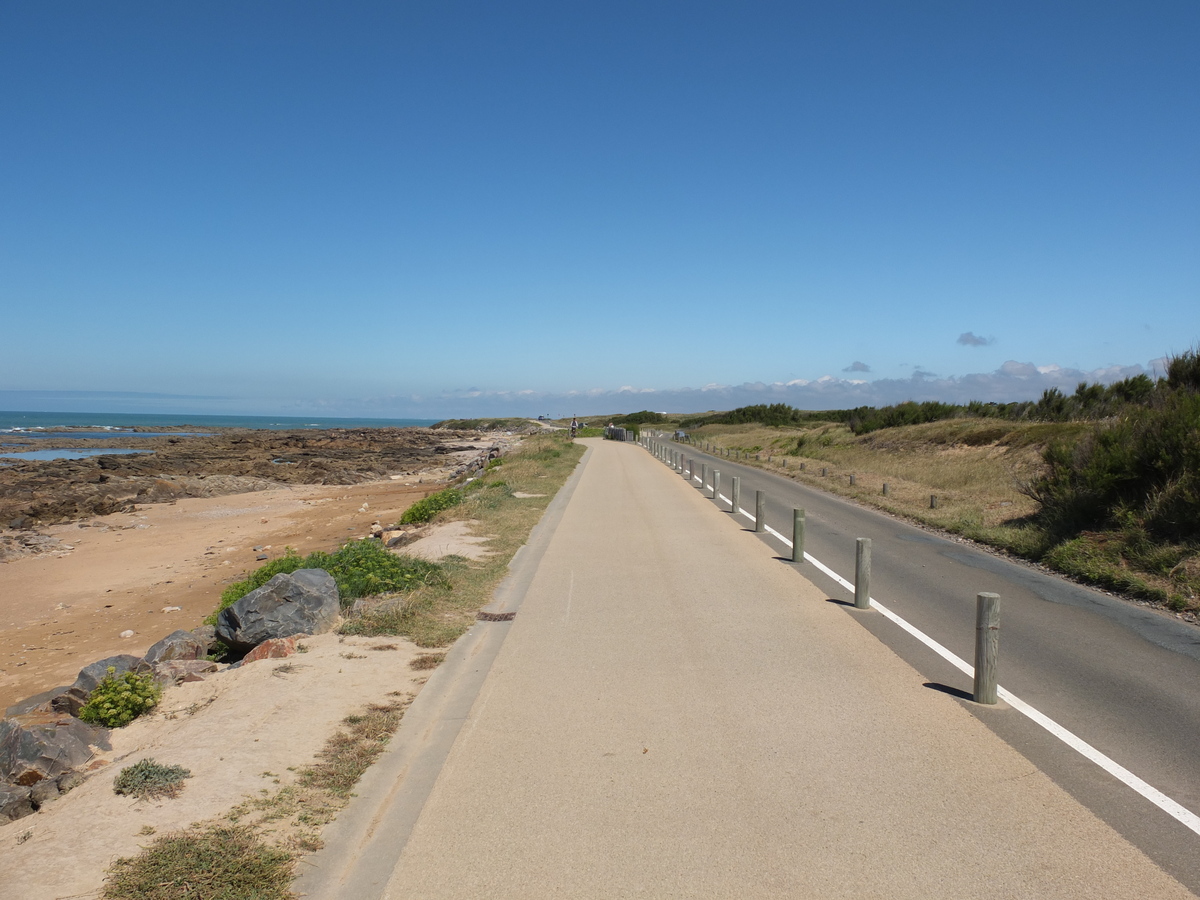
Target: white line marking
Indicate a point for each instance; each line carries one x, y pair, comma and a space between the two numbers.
1175, 810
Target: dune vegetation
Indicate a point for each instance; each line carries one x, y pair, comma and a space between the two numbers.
1102, 484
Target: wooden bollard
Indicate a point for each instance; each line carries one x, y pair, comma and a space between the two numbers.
885, 489
823, 471
703, 475
797, 535
716, 484
987, 646
735, 494
851, 481
760, 511
933, 501
862, 573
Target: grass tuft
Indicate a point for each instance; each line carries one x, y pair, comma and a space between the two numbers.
148, 779
220, 862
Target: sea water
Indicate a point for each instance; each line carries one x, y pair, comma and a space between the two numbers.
51, 421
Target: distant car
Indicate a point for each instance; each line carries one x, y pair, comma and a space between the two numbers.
681, 435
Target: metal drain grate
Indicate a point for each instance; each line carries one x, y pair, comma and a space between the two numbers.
495, 617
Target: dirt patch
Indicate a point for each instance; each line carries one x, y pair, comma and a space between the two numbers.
450, 539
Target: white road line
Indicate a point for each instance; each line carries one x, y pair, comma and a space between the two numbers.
1175, 810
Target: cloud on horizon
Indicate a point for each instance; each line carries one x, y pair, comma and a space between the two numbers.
857, 366
970, 339
1013, 380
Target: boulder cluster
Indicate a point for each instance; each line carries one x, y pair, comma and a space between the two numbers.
45, 749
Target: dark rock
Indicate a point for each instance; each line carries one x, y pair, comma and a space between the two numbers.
176, 645
207, 635
43, 792
305, 602
68, 781
90, 676
44, 745
14, 802
38, 702
177, 671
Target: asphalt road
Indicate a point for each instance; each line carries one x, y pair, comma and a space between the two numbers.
1124, 678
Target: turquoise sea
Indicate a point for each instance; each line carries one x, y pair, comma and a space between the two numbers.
24, 421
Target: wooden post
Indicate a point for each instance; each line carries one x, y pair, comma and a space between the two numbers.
760, 511
797, 535
823, 471
703, 474
885, 489
716, 484
735, 494
862, 573
933, 501
987, 646
851, 481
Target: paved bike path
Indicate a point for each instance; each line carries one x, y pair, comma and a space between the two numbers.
675, 712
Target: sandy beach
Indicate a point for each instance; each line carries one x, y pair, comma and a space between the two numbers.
156, 567
62, 610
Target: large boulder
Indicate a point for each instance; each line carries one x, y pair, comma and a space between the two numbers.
304, 602
41, 745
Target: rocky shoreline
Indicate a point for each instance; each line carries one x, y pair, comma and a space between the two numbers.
45, 750
35, 493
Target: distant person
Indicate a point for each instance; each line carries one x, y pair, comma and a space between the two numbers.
574, 426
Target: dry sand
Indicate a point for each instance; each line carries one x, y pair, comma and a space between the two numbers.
238, 733
61, 611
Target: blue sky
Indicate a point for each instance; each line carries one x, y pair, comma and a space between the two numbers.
462, 207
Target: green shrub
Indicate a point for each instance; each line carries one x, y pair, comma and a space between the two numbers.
147, 779
424, 510
118, 700
360, 568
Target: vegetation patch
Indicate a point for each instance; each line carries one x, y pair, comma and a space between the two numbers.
435, 614
218, 862
251, 854
119, 699
426, 509
1102, 484
360, 568
148, 779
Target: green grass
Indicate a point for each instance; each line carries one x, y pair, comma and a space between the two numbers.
360, 568
426, 509
435, 615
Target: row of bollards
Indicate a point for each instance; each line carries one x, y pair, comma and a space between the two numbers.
987, 604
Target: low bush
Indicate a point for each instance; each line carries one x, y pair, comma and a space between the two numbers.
360, 568
118, 700
148, 779
424, 510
